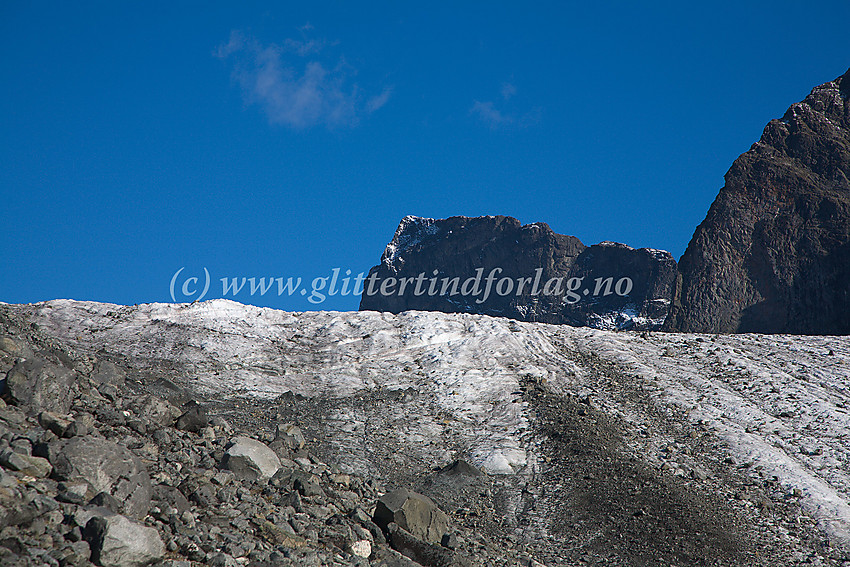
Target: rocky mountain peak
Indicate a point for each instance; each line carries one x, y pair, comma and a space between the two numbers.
413, 231
527, 272
773, 253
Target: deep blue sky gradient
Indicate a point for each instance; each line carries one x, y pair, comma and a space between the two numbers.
134, 141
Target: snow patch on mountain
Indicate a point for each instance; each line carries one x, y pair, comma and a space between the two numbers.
412, 230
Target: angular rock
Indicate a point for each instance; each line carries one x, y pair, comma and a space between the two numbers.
106, 372
193, 419
19, 507
107, 467
424, 553
117, 541
773, 253
290, 435
41, 386
157, 410
33, 466
58, 424
413, 512
250, 459
565, 282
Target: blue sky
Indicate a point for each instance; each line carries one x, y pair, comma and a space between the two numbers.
288, 139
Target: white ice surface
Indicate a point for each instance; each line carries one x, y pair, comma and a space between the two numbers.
779, 402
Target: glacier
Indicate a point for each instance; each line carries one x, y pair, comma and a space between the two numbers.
778, 404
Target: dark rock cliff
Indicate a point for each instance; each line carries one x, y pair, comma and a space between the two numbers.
607, 285
773, 253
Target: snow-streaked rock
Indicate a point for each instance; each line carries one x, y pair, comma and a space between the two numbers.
525, 272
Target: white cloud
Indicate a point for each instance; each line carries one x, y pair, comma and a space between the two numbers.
488, 114
294, 85
304, 47
377, 102
495, 117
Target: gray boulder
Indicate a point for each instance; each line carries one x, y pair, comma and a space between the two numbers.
250, 459
106, 467
290, 435
41, 385
157, 410
106, 372
413, 512
33, 466
117, 541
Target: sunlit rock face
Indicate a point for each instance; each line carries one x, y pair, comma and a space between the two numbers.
773, 253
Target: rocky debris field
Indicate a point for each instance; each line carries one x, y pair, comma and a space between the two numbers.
96, 469
225, 434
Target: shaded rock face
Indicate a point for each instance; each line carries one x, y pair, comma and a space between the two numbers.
535, 274
773, 253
